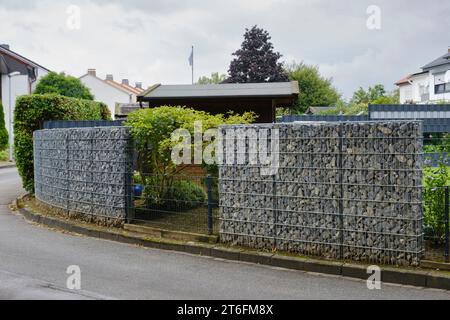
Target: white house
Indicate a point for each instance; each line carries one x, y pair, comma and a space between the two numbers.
431, 85
109, 91
19, 76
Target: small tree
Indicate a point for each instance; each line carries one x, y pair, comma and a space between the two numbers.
64, 85
315, 90
3, 131
256, 61
152, 131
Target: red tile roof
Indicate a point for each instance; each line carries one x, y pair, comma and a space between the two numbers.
405, 80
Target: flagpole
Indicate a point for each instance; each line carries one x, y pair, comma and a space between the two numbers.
192, 64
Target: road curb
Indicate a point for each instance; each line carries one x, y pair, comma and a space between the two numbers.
422, 278
7, 166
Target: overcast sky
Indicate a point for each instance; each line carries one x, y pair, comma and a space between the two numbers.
149, 41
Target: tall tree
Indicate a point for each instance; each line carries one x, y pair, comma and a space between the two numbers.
215, 78
256, 60
3, 131
315, 90
64, 85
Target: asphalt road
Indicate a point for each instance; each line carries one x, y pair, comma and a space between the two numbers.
34, 260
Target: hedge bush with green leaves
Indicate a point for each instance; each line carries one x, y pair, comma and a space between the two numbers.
3, 131
29, 115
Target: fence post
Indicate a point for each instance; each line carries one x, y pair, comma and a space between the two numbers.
210, 204
446, 218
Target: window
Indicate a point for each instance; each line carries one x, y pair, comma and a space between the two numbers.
440, 85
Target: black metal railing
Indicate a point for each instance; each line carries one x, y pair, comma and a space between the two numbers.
176, 202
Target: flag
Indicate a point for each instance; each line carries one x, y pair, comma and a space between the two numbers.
191, 58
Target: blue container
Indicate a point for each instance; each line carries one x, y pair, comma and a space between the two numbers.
137, 190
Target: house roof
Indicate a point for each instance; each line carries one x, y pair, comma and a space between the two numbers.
404, 80
226, 90
12, 61
133, 89
116, 85
445, 59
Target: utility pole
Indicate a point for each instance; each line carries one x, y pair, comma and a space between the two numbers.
10, 124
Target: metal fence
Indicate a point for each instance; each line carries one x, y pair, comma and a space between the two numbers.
65, 124
84, 171
176, 202
325, 195
435, 117
328, 118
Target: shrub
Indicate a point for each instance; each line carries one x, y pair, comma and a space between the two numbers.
64, 85
435, 179
4, 156
3, 131
154, 127
180, 195
29, 115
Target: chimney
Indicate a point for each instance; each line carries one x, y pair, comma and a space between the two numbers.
139, 85
448, 49
109, 77
6, 46
125, 82
92, 72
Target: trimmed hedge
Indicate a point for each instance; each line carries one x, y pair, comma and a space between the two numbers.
3, 131
29, 115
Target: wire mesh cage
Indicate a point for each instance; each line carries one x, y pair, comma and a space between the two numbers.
176, 202
341, 190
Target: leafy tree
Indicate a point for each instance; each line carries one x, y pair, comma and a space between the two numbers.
215, 78
154, 127
3, 131
315, 90
374, 95
360, 96
256, 60
376, 92
64, 85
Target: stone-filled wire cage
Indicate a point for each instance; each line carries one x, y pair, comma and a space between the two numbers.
347, 191
85, 171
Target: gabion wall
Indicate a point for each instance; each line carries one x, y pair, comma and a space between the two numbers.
342, 191
84, 171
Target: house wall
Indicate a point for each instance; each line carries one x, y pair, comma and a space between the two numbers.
405, 93
19, 86
419, 82
434, 74
106, 93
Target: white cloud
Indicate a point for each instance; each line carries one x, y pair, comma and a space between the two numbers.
150, 41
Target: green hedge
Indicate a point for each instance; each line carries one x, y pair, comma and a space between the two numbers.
3, 131
29, 115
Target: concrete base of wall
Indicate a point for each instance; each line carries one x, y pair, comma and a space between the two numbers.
101, 221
